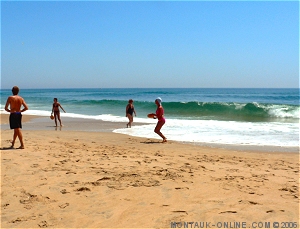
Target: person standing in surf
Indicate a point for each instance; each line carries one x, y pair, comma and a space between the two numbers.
159, 114
56, 111
129, 112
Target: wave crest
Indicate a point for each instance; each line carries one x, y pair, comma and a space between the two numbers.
232, 111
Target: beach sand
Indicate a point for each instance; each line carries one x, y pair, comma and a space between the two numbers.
70, 178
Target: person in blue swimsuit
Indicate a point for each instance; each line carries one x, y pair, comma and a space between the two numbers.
129, 112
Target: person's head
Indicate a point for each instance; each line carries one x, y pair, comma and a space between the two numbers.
158, 101
55, 99
15, 90
130, 101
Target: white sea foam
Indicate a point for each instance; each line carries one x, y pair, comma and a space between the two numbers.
284, 112
223, 132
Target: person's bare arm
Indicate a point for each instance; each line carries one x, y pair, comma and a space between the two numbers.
24, 105
62, 108
134, 111
126, 111
7, 104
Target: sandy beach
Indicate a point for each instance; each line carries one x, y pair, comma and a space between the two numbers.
72, 178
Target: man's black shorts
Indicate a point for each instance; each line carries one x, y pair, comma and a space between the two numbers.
15, 120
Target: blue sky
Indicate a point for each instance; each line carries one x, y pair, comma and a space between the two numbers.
98, 44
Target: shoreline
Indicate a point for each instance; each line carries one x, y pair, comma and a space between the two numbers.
32, 122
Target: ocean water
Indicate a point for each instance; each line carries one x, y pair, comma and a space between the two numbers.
253, 117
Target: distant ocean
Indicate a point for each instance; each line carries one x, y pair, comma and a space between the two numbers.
253, 117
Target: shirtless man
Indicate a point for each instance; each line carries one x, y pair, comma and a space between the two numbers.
15, 102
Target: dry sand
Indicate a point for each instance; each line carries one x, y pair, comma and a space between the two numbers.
78, 179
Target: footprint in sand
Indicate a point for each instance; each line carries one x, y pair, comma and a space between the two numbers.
228, 212
43, 224
64, 205
180, 211
249, 202
178, 188
83, 189
64, 191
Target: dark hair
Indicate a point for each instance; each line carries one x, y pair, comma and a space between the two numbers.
130, 101
15, 90
55, 99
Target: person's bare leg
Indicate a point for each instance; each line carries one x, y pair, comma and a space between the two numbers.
58, 116
130, 120
157, 131
18, 133
14, 138
20, 136
55, 119
60, 122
